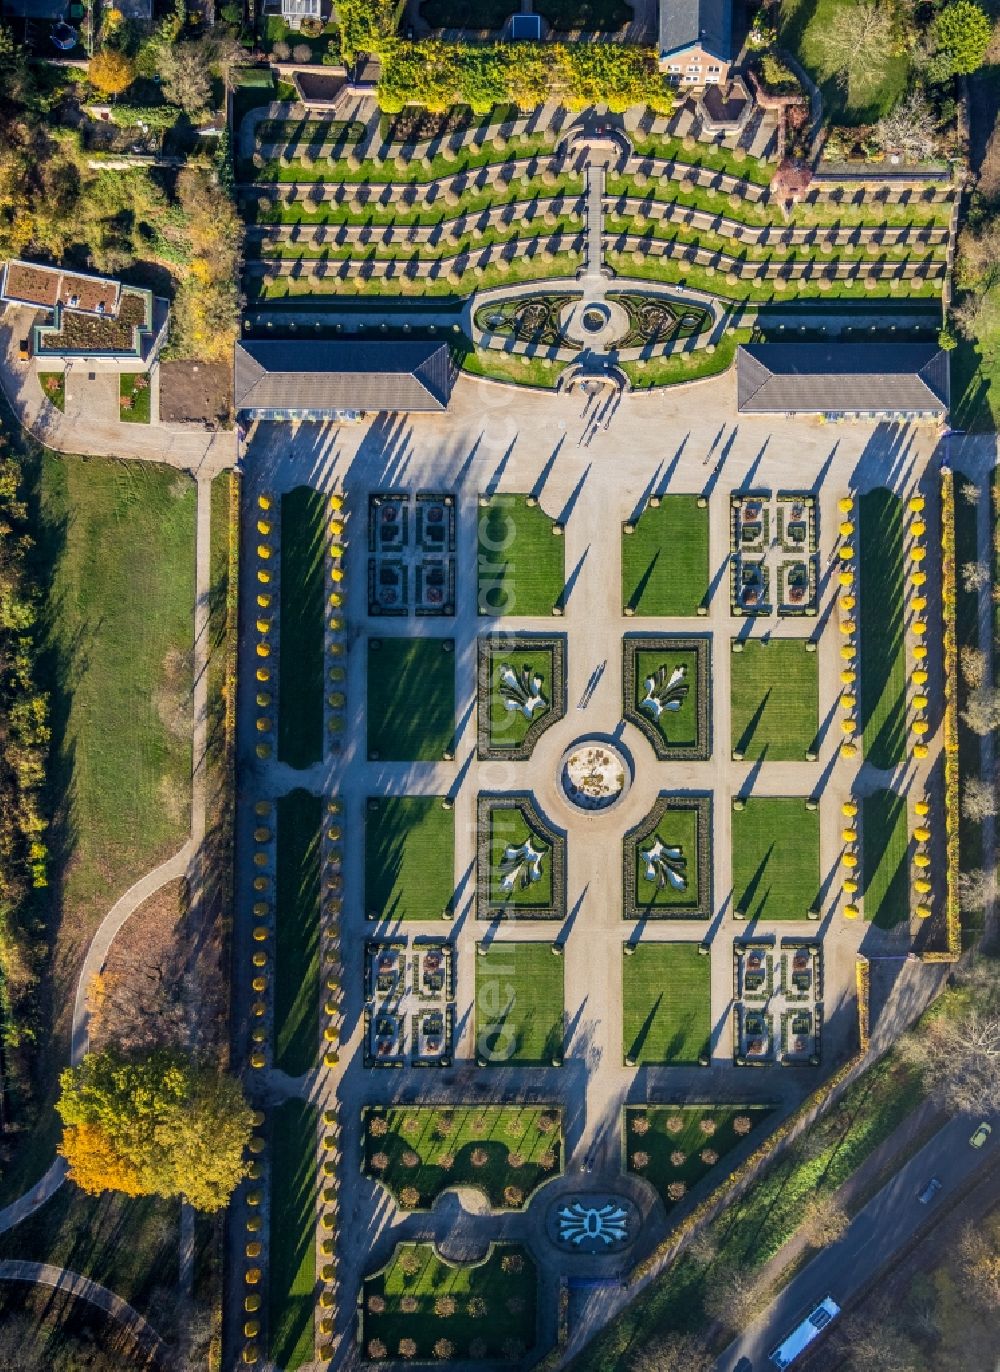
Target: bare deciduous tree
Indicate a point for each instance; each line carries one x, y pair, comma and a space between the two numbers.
875, 1341
975, 575
825, 1223
973, 664
909, 129
854, 42
960, 1054
980, 1264
982, 710
673, 1353
979, 800
977, 888
735, 1296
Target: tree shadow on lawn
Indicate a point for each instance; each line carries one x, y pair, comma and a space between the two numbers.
635, 598
746, 737
749, 894
639, 1042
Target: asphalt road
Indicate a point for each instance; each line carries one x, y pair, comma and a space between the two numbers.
886, 1224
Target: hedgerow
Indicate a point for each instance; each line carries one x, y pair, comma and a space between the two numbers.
438, 75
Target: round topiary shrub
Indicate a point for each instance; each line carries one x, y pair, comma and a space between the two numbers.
709, 1157
640, 1161
444, 1348
479, 1157
410, 1125
476, 1308
677, 1158
411, 1159
707, 1126
409, 1264
676, 1190
445, 1306
640, 1124
447, 1162
512, 1262
675, 1125
515, 1159
379, 1162
513, 1195
378, 1126
409, 1305
407, 1348
376, 1304
376, 1349
547, 1160
409, 1197
742, 1125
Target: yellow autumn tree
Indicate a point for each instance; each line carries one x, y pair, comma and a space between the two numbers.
111, 72
94, 1162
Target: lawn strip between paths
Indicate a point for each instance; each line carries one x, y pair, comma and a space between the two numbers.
666, 1004
665, 567
522, 566
409, 857
291, 1275
775, 858
300, 670
411, 699
884, 842
519, 1004
297, 916
775, 700
882, 672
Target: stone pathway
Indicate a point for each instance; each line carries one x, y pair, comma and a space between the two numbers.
83, 1289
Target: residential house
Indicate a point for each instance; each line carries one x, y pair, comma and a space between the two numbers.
697, 41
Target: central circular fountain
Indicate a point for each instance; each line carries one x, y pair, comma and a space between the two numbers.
593, 775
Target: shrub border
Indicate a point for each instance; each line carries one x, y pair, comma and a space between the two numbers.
666, 801
523, 801
701, 646
488, 645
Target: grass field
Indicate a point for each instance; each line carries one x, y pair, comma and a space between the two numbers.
118, 539
135, 396
884, 841
411, 699
677, 829
882, 650
646, 1132
509, 828
519, 1004
665, 561
491, 1305
775, 700
775, 858
296, 982
804, 24
300, 628
446, 1138
522, 566
970, 834
291, 1276
666, 1010
409, 857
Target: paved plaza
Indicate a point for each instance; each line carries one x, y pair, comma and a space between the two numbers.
592, 464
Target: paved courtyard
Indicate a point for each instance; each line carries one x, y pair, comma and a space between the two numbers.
592, 464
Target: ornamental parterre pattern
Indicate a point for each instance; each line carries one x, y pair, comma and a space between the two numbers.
669, 644
487, 906
699, 861
494, 649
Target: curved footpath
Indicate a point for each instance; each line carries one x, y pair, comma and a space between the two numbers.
82, 1288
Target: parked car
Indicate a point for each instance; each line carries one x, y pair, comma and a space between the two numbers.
981, 1135
930, 1191
24, 349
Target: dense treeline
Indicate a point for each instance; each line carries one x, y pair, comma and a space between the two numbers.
24, 740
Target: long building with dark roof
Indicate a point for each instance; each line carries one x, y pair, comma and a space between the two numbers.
309, 379
906, 380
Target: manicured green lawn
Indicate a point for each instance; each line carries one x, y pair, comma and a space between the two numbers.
508, 727
135, 397
54, 386
775, 858
661, 1144
493, 1312
519, 1003
411, 699
882, 651
804, 24
679, 727
510, 829
775, 699
445, 1140
665, 561
666, 1004
117, 539
409, 857
677, 829
296, 983
884, 840
291, 1253
300, 627
521, 562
